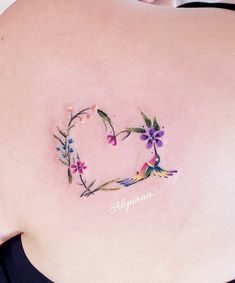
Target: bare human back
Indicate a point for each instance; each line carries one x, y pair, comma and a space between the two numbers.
134, 63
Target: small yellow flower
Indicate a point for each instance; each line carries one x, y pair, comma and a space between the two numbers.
82, 119
70, 108
94, 108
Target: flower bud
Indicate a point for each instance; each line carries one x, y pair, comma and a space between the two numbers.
70, 108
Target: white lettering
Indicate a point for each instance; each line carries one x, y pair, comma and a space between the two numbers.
126, 204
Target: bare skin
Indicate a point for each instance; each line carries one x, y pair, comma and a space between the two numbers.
173, 3
123, 56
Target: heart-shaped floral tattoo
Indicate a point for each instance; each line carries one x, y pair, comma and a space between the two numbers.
150, 133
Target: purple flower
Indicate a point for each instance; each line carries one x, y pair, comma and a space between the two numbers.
152, 136
78, 166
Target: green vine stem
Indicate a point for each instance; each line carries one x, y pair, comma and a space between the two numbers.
103, 187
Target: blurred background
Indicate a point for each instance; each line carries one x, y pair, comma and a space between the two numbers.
4, 4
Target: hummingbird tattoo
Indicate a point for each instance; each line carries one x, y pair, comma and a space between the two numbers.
148, 168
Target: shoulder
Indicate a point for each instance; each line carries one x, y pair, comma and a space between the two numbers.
59, 58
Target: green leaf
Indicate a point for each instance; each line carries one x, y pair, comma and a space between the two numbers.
105, 125
127, 135
92, 183
71, 127
104, 116
62, 133
65, 163
55, 136
136, 130
147, 120
155, 124
70, 176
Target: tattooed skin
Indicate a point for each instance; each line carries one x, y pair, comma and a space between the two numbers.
151, 133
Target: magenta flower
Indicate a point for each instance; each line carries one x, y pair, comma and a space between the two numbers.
78, 166
112, 139
152, 136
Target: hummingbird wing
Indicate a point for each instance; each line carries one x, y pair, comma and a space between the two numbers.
130, 181
143, 173
158, 171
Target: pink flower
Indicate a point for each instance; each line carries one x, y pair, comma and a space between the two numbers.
112, 139
78, 166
